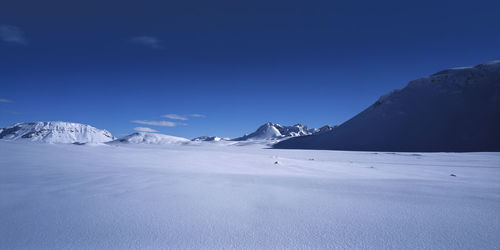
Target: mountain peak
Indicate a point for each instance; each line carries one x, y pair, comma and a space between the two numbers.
274, 131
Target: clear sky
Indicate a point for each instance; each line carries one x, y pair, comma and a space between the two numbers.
119, 65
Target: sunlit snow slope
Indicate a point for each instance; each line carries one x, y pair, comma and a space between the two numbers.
55, 132
151, 138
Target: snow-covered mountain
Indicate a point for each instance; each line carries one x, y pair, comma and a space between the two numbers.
272, 131
55, 132
323, 129
209, 138
453, 110
150, 138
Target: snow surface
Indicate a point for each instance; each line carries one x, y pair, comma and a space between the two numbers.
55, 132
208, 196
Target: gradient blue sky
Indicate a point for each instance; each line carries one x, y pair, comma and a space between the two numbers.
238, 63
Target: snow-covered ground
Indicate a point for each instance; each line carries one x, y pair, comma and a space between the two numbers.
212, 196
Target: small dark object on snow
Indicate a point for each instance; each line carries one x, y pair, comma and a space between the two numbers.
453, 175
276, 162
311, 159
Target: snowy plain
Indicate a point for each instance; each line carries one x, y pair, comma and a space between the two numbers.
217, 196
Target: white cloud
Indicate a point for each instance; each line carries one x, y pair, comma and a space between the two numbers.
5, 100
145, 129
175, 117
149, 41
182, 117
12, 34
157, 123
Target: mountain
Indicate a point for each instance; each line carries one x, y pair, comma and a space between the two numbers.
270, 131
209, 138
55, 132
150, 138
455, 110
323, 129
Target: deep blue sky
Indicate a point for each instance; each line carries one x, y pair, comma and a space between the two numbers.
238, 63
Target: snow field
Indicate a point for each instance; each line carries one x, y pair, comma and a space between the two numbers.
208, 196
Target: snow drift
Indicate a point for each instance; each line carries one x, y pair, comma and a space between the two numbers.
455, 110
55, 132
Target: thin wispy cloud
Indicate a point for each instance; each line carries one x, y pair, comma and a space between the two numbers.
12, 34
176, 117
157, 123
182, 117
5, 100
145, 129
148, 41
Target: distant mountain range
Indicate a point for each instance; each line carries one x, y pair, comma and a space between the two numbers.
270, 131
455, 110
210, 138
67, 132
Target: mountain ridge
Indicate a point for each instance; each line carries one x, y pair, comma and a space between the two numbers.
453, 110
150, 138
270, 131
55, 132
